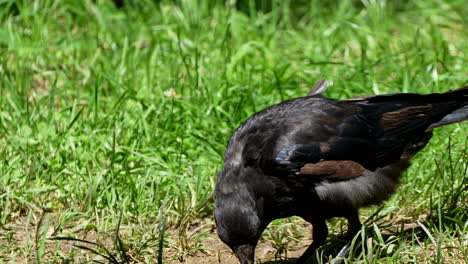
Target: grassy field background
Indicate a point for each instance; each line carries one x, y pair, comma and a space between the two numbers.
113, 121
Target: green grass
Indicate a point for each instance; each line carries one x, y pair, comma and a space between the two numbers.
108, 112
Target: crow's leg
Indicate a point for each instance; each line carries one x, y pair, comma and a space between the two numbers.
319, 235
354, 225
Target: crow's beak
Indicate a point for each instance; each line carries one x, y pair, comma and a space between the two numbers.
245, 254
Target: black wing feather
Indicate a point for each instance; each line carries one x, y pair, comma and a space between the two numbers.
375, 134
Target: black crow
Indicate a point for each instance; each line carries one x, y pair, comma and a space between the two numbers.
318, 158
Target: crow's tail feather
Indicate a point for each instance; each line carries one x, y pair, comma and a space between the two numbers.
456, 116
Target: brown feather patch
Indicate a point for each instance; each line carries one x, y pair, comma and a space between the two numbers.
324, 147
393, 119
334, 169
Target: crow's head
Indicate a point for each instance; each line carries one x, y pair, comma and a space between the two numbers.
238, 213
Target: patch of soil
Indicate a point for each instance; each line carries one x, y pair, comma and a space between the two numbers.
219, 253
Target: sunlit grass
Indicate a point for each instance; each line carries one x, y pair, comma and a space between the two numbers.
107, 111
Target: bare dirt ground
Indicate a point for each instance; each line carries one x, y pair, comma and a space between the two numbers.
22, 239
25, 240
220, 253
214, 251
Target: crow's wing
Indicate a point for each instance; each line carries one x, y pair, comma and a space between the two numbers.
333, 169
374, 134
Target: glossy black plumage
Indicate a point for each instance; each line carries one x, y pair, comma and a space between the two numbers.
319, 158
